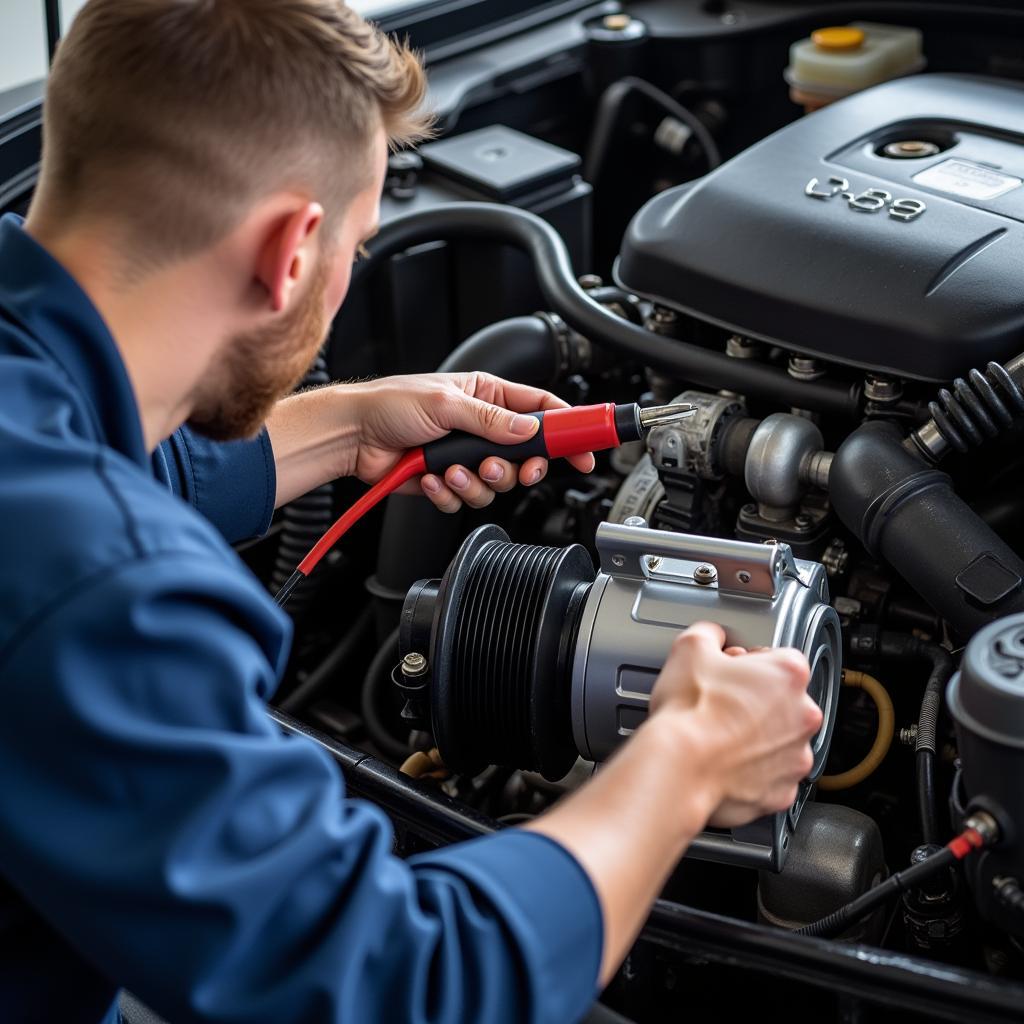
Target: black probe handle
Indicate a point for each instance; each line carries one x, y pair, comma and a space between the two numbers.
461, 449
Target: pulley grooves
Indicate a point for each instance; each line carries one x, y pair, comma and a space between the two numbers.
505, 656
496, 644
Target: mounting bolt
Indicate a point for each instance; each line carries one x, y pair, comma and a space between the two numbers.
635, 521
882, 389
618, 561
705, 574
653, 563
803, 521
413, 664
743, 576
908, 735
616, 22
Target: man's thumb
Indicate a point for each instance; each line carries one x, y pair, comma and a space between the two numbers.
496, 424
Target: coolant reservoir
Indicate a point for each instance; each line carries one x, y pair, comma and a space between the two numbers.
837, 61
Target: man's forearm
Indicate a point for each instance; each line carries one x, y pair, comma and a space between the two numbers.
630, 825
313, 435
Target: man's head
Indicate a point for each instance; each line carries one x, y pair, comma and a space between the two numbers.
249, 136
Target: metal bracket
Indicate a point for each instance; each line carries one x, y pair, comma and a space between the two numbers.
754, 570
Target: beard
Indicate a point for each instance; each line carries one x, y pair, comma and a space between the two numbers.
261, 366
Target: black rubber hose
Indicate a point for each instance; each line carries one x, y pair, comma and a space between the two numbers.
529, 233
311, 686
375, 690
908, 514
899, 645
609, 110
839, 920
525, 349
303, 522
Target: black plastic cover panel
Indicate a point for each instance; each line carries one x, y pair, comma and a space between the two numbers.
500, 162
818, 241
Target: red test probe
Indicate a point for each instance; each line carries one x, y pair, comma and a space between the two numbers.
562, 432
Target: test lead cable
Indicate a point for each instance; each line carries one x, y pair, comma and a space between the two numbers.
562, 432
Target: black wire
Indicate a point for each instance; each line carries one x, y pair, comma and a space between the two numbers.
290, 584
609, 109
839, 920
899, 645
329, 667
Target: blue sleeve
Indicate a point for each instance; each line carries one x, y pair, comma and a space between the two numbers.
160, 821
232, 483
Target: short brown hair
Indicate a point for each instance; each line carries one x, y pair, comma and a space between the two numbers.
174, 116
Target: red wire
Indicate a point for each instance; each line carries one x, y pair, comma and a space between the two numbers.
411, 464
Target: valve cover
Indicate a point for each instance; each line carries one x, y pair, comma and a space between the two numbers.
883, 232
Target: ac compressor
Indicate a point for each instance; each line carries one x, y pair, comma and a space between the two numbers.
533, 659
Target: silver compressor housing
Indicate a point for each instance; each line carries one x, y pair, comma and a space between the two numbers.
525, 656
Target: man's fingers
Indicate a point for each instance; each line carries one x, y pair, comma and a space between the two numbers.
434, 488
498, 410
701, 641
499, 474
584, 463
533, 471
813, 716
468, 486
515, 396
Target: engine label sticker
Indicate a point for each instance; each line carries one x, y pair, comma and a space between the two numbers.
972, 181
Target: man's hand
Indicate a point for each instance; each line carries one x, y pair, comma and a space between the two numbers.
726, 741
397, 413
363, 429
748, 713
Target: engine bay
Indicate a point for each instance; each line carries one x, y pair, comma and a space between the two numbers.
657, 206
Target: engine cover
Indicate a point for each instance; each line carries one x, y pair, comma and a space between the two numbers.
903, 260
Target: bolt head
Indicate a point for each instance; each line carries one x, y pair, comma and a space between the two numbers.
617, 22
414, 664
705, 574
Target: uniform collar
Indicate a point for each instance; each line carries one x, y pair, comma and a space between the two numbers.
41, 297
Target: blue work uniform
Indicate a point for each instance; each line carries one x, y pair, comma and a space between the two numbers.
157, 831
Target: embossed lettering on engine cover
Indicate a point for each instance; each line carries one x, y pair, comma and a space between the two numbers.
871, 200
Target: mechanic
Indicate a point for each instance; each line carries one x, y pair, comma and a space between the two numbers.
210, 170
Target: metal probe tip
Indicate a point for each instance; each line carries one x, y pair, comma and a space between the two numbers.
659, 415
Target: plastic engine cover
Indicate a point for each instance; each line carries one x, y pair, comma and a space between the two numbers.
821, 240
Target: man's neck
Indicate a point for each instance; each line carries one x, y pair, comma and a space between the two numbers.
162, 325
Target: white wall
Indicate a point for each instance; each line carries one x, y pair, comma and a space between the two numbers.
23, 56
23, 53
68, 9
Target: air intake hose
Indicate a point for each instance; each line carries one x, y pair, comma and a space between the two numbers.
542, 243
908, 514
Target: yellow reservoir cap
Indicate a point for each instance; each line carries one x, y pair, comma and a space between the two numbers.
838, 37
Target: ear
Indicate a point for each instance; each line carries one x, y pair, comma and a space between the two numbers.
288, 253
